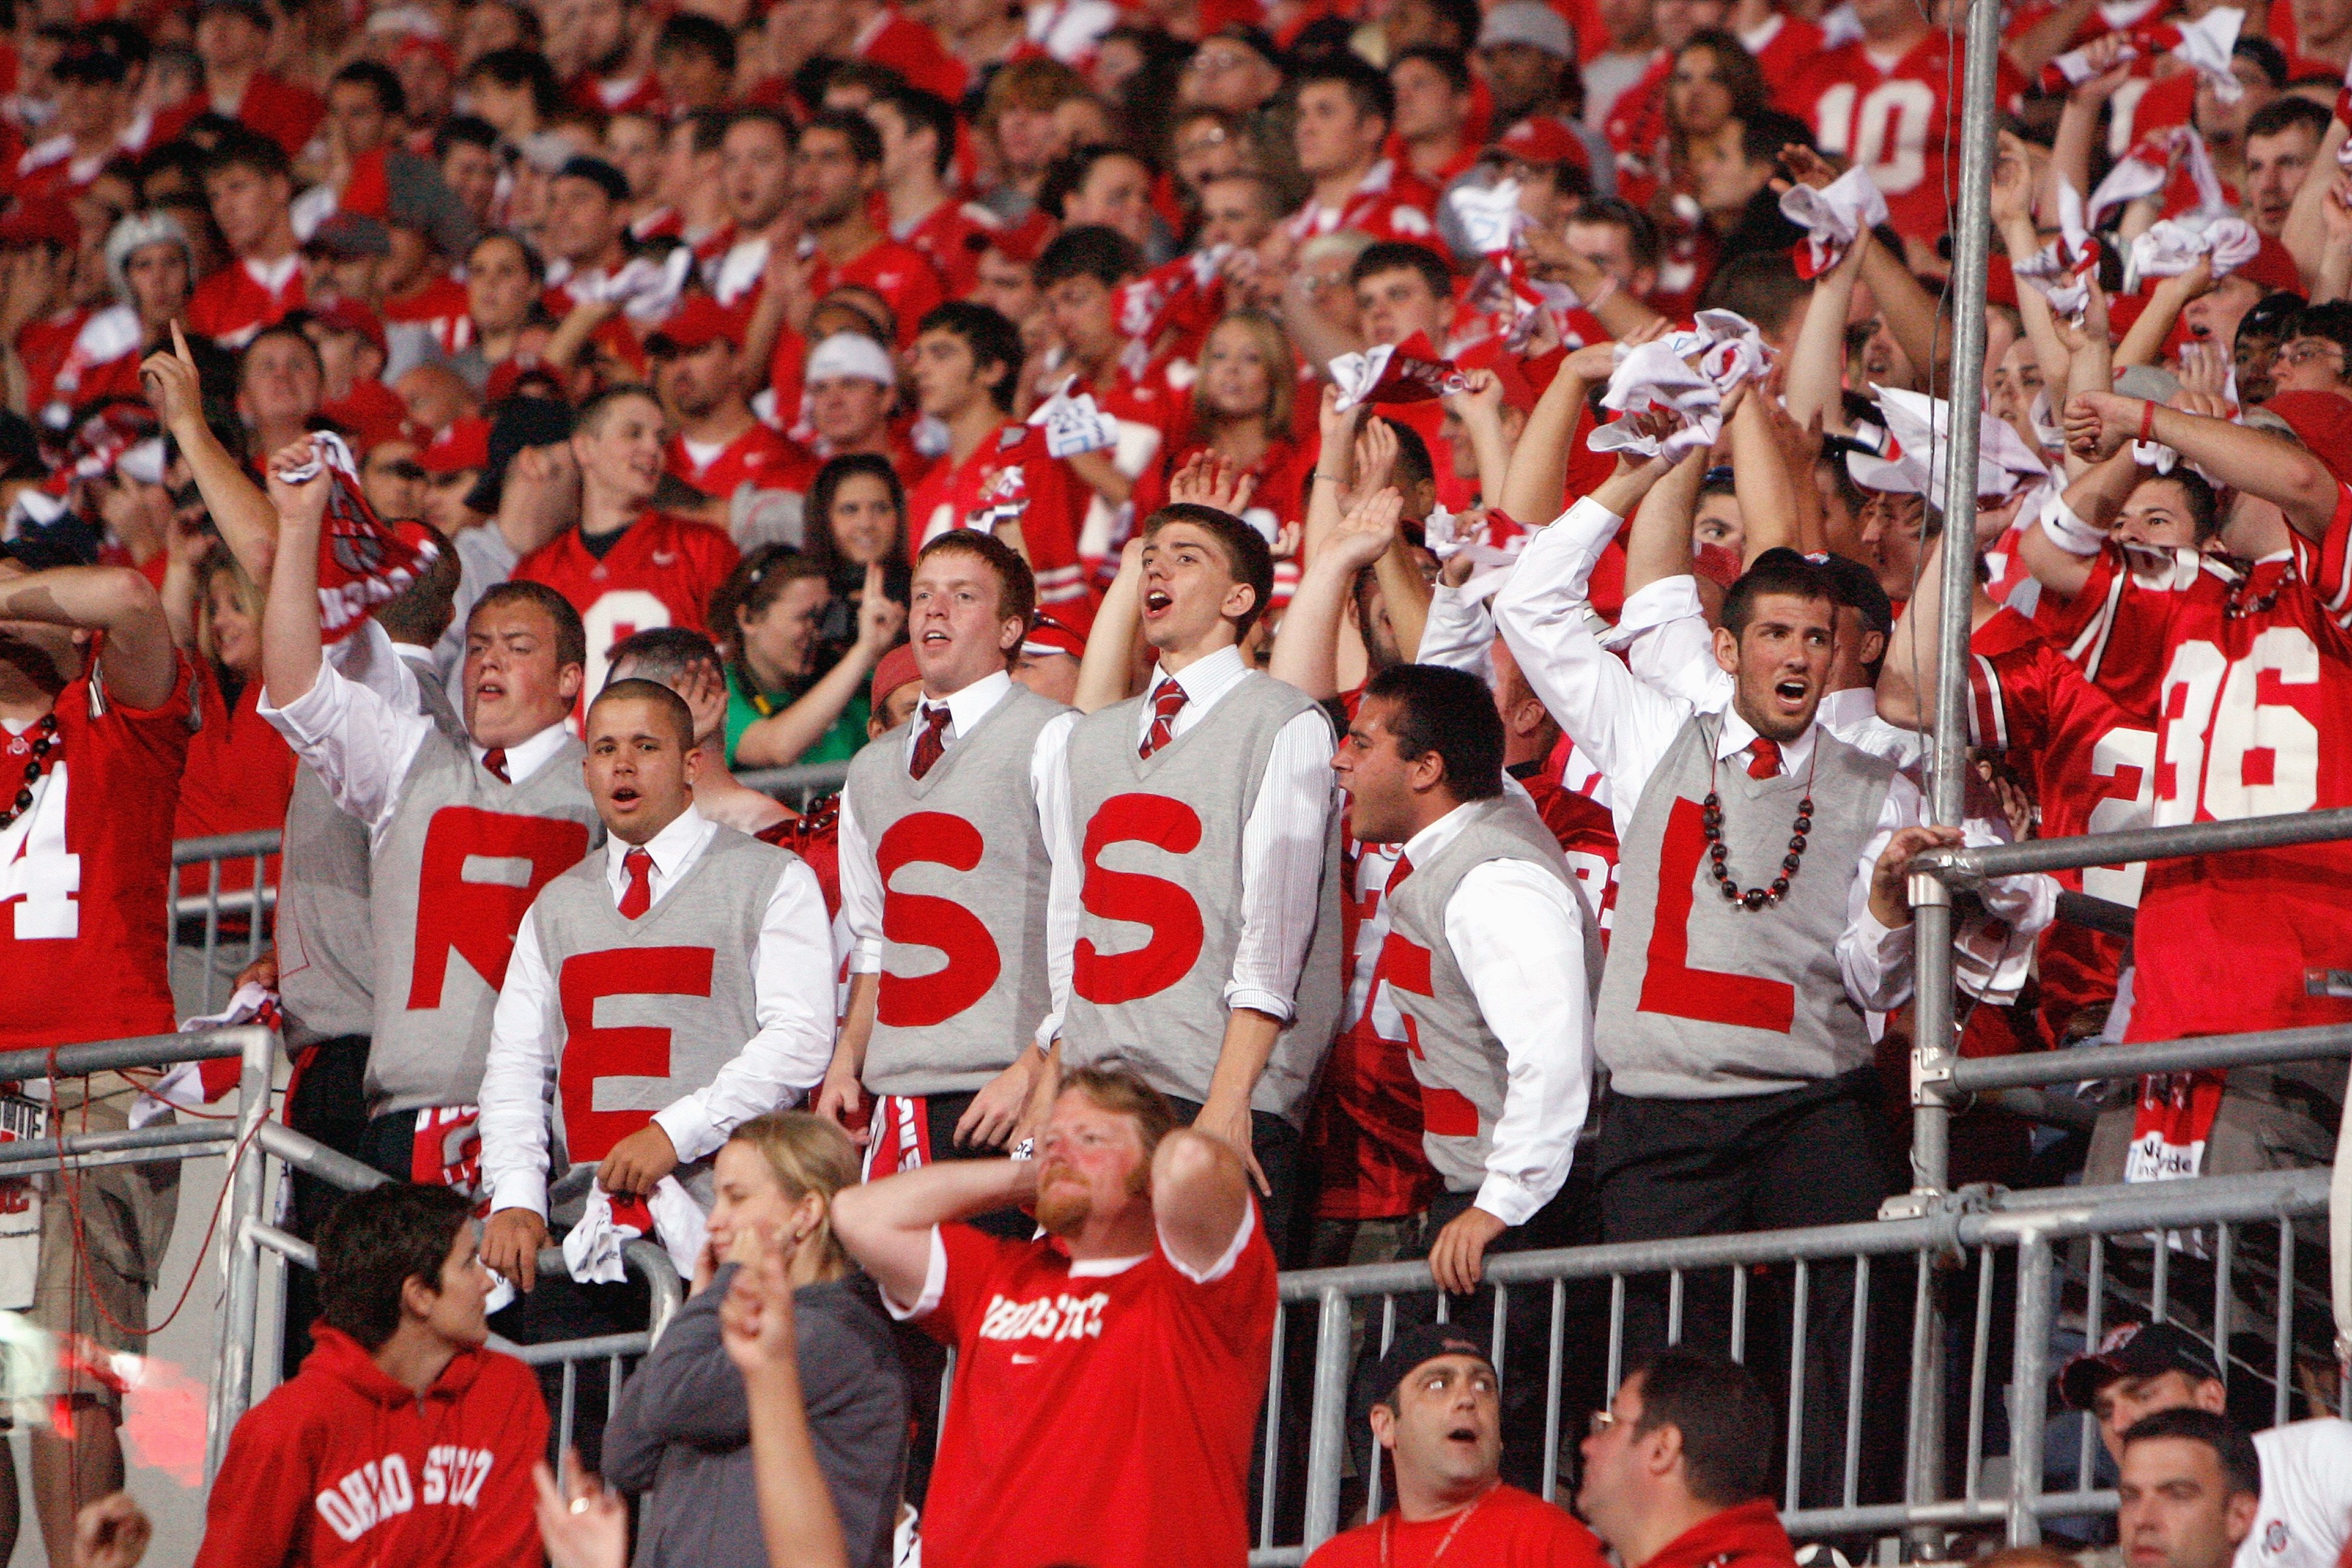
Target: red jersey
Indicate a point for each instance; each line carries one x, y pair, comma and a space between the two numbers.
344, 1467
243, 296
41, 348
2092, 770
280, 111
1507, 1528
1055, 1359
1894, 119
950, 237
84, 868
440, 307
915, 52
1784, 47
639, 94
759, 456
1388, 203
661, 572
1010, 481
2115, 628
1588, 839
2257, 682
240, 776
897, 272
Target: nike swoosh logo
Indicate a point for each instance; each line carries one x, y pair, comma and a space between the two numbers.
1019, 1360
664, 557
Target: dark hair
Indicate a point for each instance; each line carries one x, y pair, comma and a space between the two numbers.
530, 258
920, 111
1742, 78
1774, 572
571, 637
291, 330
591, 412
1763, 134
247, 149
758, 116
1017, 587
1414, 464
1070, 172
421, 612
1450, 712
638, 688
1762, 286
1089, 250
1248, 559
463, 130
374, 1243
2284, 115
875, 77
758, 580
519, 65
1641, 234
2242, 1464
707, 128
390, 95
2269, 316
664, 654
992, 339
1448, 63
818, 526
2331, 320
1397, 255
1463, 16
1368, 86
1725, 1420
865, 141
695, 34
2198, 495
2268, 57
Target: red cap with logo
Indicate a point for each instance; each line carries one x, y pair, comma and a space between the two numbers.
698, 322
896, 669
348, 315
1540, 139
464, 447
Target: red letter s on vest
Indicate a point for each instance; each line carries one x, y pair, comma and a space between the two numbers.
479, 919
1165, 907
632, 1051
923, 920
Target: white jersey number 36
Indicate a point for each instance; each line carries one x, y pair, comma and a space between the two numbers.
2263, 758
38, 879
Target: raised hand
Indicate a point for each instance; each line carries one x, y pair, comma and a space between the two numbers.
169, 379
879, 617
1366, 530
1376, 456
1481, 399
755, 1322
1806, 167
2109, 70
583, 1525
1211, 480
2099, 423
298, 502
2204, 368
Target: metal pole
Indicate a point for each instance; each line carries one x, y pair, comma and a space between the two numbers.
2028, 1390
1328, 1433
240, 1259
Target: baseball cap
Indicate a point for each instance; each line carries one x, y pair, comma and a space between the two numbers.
1528, 21
37, 220
1413, 1347
698, 322
1050, 636
1542, 139
87, 60
851, 354
896, 669
348, 315
518, 423
1856, 587
597, 172
2136, 1350
253, 10
346, 237
464, 445
1024, 241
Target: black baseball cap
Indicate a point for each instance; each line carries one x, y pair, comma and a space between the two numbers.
515, 423
1856, 587
1412, 1346
2136, 1350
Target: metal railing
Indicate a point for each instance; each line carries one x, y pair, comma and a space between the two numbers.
799, 785
254, 903
2077, 1258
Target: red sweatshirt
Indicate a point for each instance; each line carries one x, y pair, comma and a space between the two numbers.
344, 1467
1747, 1535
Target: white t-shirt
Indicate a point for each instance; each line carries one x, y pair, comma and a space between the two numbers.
2307, 1510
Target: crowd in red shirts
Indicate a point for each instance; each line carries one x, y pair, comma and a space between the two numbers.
1372, 567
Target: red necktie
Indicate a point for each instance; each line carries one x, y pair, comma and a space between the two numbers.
1763, 758
932, 743
639, 895
1169, 698
1397, 874
495, 759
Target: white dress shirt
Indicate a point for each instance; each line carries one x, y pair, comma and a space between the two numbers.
361, 724
1283, 844
1049, 788
1626, 727
793, 990
1515, 933
1459, 633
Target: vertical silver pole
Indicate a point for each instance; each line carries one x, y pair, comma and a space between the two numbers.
2029, 1387
1330, 1435
240, 1257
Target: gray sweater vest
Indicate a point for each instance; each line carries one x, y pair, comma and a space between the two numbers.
452, 880
646, 1011
1456, 1059
1161, 905
326, 951
964, 876
1700, 999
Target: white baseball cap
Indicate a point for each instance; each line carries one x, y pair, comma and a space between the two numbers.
850, 355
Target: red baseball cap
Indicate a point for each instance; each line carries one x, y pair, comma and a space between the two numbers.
698, 322
348, 315
1026, 240
2322, 421
41, 219
1050, 636
897, 668
464, 447
1540, 139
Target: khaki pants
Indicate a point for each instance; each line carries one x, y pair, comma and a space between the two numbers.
98, 1288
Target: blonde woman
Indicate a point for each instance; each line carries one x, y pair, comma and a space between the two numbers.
681, 1437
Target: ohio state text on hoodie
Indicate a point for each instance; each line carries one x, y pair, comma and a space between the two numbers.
343, 1468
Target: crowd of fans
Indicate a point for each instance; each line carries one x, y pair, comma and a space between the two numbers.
1374, 570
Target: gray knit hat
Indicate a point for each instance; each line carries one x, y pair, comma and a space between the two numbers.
134, 232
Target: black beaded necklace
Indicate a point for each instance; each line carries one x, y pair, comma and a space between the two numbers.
41, 741
1710, 821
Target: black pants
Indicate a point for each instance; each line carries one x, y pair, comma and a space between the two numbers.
1815, 1155
329, 1104
1280, 1151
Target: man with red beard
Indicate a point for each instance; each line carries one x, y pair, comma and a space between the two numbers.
1146, 1306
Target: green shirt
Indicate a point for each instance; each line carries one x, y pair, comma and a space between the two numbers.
746, 708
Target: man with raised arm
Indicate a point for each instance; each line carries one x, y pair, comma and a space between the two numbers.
462, 832
950, 826
1203, 912
1108, 1374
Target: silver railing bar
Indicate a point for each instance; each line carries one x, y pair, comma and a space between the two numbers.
140, 1052
1966, 866
133, 1144
2095, 1062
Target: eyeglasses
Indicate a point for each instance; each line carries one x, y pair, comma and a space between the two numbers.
1201, 141
1600, 1420
1216, 64
2309, 350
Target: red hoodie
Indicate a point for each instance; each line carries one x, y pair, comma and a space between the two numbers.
344, 1467
1747, 1535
